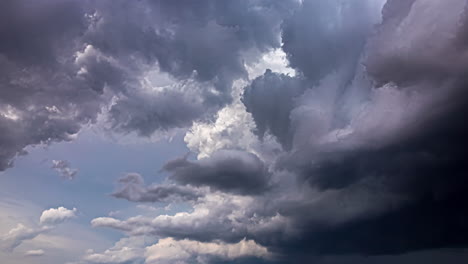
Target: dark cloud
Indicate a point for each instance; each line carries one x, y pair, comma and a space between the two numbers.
270, 100
42, 101
325, 35
373, 136
133, 189
225, 170
420, 52
62, 63
416, 159
372, 125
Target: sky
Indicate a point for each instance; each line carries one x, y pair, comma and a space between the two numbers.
247, 132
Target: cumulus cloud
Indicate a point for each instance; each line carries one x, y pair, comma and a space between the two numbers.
371, 156
47, 222
64, 169
78, 66
168, 250
57, 215
218, 216
126, 250
371, 133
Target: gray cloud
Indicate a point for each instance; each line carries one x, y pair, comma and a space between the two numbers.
133, 189
323, 36
225, 170
270, 100
372, 137
64, 169
63, 63
372, 126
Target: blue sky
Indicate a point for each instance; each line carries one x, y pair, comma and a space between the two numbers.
33, 186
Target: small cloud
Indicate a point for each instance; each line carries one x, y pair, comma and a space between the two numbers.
57, 215
34, 253
63, 168
147, 207
114, 213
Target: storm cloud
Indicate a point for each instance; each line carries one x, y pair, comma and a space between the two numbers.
64, 63
358, 150
230, 171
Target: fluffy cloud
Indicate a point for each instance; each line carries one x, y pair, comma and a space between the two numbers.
20, 233
78, 66
126, 250
218, 216
47, 222
169, 250
57, 215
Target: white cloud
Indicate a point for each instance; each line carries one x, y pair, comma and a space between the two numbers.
49, 218
169, 250
275, 60
125, 250
57, 215
215, 216
34, 253
19, 234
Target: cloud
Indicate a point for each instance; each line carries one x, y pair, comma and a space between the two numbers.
126, 250
219, 216
63, 168
226, 170
21, 233
168, 250
34, 253
56, 215
270, 100
371, 125
323, 36
80, 66
134, 190
47, 222
372, 136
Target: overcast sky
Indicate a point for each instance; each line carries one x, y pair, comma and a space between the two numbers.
250, 131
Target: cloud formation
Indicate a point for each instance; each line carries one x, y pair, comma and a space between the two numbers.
64, 64
360, 152
134, 190
225, 170
371, 136
57, 215
48, 221
169, 250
